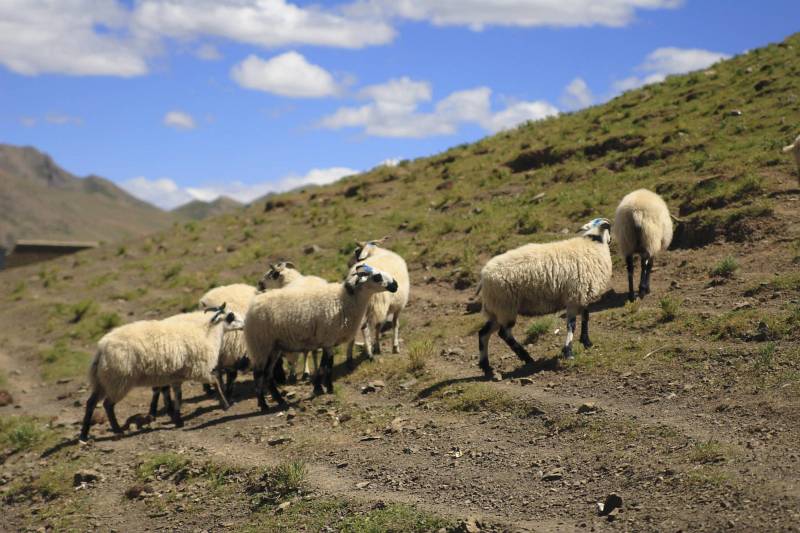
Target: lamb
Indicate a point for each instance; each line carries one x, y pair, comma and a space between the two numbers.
642, 226
232, 357
384, 304
156, 353
301, 318
795, 149
281, 275
543, 278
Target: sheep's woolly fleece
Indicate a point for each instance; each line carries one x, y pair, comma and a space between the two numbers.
642, 224
237, 298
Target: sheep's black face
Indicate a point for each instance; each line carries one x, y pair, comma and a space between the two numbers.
392, 287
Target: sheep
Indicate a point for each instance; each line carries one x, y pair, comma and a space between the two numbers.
795, 149
384, 304
642, 226
542, 278
301, 318
232, 357
157, 353
281, 275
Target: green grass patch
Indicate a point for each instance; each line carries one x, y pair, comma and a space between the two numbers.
275, 484
669, 308
392, 518
23, 433
419, 353
711, 451
725, 268
162, 465
484, 397
538, 329
61, 361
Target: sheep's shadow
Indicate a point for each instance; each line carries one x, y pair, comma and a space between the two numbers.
530, 369
274, 408
127, 434
610, 300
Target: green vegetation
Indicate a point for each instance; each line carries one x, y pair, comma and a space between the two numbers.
278, 483
60, 361
485, 397
23, 433
669, 308
419, 352
726, 268
162, 465
394, 518
710, 451
538, 329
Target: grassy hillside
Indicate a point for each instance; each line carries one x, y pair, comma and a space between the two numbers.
689, 384
198, 209
40, 200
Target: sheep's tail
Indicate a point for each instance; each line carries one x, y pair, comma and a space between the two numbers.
638, 221
478, 290
789, 148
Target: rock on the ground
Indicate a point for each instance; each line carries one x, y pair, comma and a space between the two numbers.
5, 398
86, 476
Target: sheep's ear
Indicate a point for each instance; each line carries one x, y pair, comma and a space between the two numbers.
289, 264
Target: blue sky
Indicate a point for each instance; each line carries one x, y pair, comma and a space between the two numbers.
183, 99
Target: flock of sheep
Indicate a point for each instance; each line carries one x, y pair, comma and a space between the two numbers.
291, 314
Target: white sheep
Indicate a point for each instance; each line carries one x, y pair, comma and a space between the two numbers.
542, 278
157, 353
282, 275
642, 226
233, 355
383, 305
303, 318
795, 149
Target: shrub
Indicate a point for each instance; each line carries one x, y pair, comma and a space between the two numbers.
726, 268
669, 308
418, 354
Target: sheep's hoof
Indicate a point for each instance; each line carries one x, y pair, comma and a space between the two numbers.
306, 376
631, 297
351, 365
292, 379
318, 391
567, 353
587, 343
179, 423
395, 349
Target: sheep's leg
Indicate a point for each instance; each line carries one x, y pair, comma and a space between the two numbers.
522, 353
168, 405
396, 333
327, 364
376, 347
174, 405
585, 329
629, 265
291, 362
91, 403
483, 345
367, 340
154, 402
258, 380
208, 389
223, 401
108, 405
272, 385
231, 375
279, 372
644, 283
350, 363
306, 366
571, 321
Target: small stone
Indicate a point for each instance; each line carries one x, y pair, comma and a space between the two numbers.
342, 465
5, 398
290, 414
553, 475
366, 389
366, 438
279, 440
474, 307
525, 381
282, 507
362, 484
311, 249
734, 113
86, 477
612, 503
588, 408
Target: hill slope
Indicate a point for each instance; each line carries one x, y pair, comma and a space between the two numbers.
40, 200
198, 209
687, 405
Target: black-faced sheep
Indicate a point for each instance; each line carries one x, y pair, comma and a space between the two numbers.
542, 278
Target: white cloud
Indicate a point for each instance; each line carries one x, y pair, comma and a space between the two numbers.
577, 95
163, 192
287, 74
179, 120
393, 111
167, 194
28, 122
269, 23
41, 36
61, 119
669, 60
208, 52
390, 162
477, 14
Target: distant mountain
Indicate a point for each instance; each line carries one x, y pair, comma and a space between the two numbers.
198, 209
40, 200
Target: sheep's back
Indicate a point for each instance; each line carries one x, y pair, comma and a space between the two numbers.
385, 302
642, 223
542, 278
236, 297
